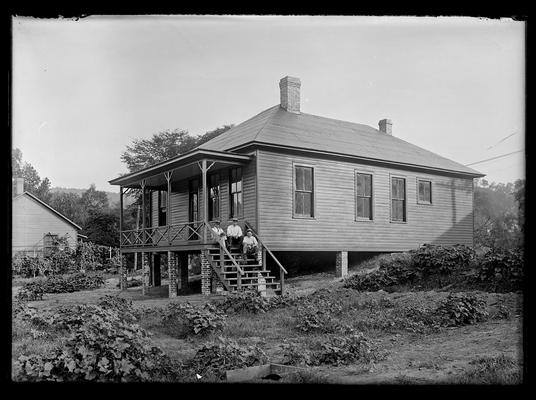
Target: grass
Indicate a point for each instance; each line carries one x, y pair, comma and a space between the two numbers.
493, 370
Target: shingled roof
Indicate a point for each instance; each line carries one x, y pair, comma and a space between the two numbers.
276, 126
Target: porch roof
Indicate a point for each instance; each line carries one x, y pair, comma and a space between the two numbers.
183, 166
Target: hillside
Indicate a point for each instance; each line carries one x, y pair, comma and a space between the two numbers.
113, 198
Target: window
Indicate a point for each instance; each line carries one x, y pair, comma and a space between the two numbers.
214, 197
50, 242
398, 199
162, 207
364, 196
303, 192
235, 192
424, 192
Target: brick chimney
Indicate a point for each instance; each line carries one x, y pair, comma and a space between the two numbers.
386, 126
18, 186
290, 94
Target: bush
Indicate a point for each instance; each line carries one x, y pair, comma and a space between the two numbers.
501, 270
248, 301
101, 347
25, 266
131, 283
344, 350
393, 271
444, 260
294, 354
461, 309
187, 319
315, 313
59, 284
123, 307
212, 360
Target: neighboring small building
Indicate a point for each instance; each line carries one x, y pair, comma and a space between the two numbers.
36, 225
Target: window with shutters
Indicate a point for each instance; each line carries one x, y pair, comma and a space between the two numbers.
398, 199
363, 196
424, 192
303, 191
235, 193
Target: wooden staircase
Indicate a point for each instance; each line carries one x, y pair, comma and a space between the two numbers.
225, 267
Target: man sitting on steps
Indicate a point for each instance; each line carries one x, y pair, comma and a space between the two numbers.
234, 234
250, 245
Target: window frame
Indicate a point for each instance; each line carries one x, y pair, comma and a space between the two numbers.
404, 177
419, 201
372, 197
313, 195
231, 193
162, 194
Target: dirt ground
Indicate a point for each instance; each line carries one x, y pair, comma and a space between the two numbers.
411, 358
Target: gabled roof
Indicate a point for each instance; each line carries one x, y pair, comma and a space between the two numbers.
31, 196
275, 126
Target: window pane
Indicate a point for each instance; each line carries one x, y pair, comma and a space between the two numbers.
360, 185
394, 188
299, 179
307, 197
239, 174
308, 179
368, 184
360, 207
298, 203
239, 201
421, 191
239, 186
402, 189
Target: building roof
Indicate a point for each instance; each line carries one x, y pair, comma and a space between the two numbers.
34, 198
275, 126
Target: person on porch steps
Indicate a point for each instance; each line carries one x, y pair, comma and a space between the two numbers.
234, 234
218, 234
249, 245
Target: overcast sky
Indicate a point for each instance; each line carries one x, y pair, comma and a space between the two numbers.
83, 90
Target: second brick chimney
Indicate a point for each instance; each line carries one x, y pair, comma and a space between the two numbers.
386, 126
290, 94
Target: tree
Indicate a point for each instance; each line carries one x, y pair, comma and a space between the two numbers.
103, 229
68, 204
164, 145
498, 220
93, 202
32, 180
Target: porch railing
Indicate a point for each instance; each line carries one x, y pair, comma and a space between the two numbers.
166, 235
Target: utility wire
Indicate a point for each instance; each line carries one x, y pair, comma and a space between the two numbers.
502, 140
494, 158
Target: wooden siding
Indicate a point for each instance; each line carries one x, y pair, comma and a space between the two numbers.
448, 220
249, 177
31, 221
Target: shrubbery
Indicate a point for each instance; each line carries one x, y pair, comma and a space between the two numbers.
250, 301
461, 309
435, 266
501, 270
212, 360
102, 346
59, 284
186, 319
337, 350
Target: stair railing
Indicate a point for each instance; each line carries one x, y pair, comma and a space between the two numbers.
282, 270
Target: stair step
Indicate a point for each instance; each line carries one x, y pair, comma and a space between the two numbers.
246, 273
268, 285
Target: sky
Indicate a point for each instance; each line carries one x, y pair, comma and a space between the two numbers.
83, 90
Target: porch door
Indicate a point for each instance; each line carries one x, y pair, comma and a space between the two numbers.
193, 207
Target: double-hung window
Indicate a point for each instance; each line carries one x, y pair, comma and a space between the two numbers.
303, 191
235, 193
363, 196
424, 192
398, 199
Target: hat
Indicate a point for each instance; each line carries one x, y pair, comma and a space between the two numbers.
249, 230
217, 221
235, 219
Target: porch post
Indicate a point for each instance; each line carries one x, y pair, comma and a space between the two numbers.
172, 272
143, 209
205, 197
123, 272
145, 272
120, 215
167, 175
206, 273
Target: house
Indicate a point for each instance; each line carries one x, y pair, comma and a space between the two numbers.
302, 183
36, 226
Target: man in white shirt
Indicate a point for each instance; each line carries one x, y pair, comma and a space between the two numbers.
249, 245
234, 234
218, 234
